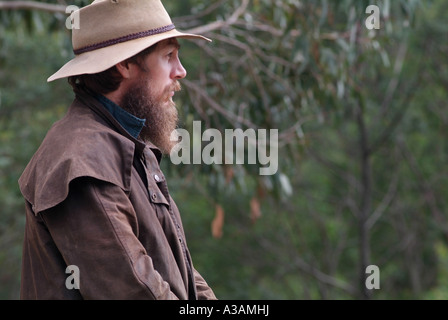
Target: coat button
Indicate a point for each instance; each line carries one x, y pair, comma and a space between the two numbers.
154, 196
157, 178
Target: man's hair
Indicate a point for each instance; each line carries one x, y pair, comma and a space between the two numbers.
109, 80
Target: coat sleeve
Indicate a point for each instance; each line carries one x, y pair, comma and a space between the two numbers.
204, 292
95, 229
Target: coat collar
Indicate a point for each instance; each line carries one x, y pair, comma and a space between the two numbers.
99, 108
131, 123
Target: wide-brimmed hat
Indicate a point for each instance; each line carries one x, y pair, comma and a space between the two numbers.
111, 31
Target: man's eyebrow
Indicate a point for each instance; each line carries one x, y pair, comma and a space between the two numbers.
174, 43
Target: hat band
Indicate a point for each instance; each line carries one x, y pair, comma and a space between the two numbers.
129, 37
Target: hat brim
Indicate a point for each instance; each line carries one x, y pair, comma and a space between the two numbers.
102, 59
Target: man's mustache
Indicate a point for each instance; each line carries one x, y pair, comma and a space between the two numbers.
175, 87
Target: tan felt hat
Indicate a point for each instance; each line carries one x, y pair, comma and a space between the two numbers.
111, 31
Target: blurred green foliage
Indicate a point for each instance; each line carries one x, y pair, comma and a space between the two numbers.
362, 124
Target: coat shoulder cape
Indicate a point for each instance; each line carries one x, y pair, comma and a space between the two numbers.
81, 144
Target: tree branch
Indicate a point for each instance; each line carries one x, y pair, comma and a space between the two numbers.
220, 24
56, 8
385, 202
32, 5
365, 204
216, 106
200, 14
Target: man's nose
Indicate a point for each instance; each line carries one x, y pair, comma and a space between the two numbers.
179, 71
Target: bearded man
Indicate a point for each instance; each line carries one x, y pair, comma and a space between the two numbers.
97, 203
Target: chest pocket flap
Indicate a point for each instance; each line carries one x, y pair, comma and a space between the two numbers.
157, 188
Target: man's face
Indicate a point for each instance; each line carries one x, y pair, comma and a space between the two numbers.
150, 94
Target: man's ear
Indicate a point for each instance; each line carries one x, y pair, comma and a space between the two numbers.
125, 69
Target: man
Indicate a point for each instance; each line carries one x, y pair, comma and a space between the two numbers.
97, 203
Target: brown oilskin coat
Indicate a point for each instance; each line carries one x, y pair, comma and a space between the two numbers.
97, 199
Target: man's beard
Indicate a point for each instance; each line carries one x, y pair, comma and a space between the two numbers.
161, 114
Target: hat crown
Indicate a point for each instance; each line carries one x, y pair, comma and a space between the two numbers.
103, 21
